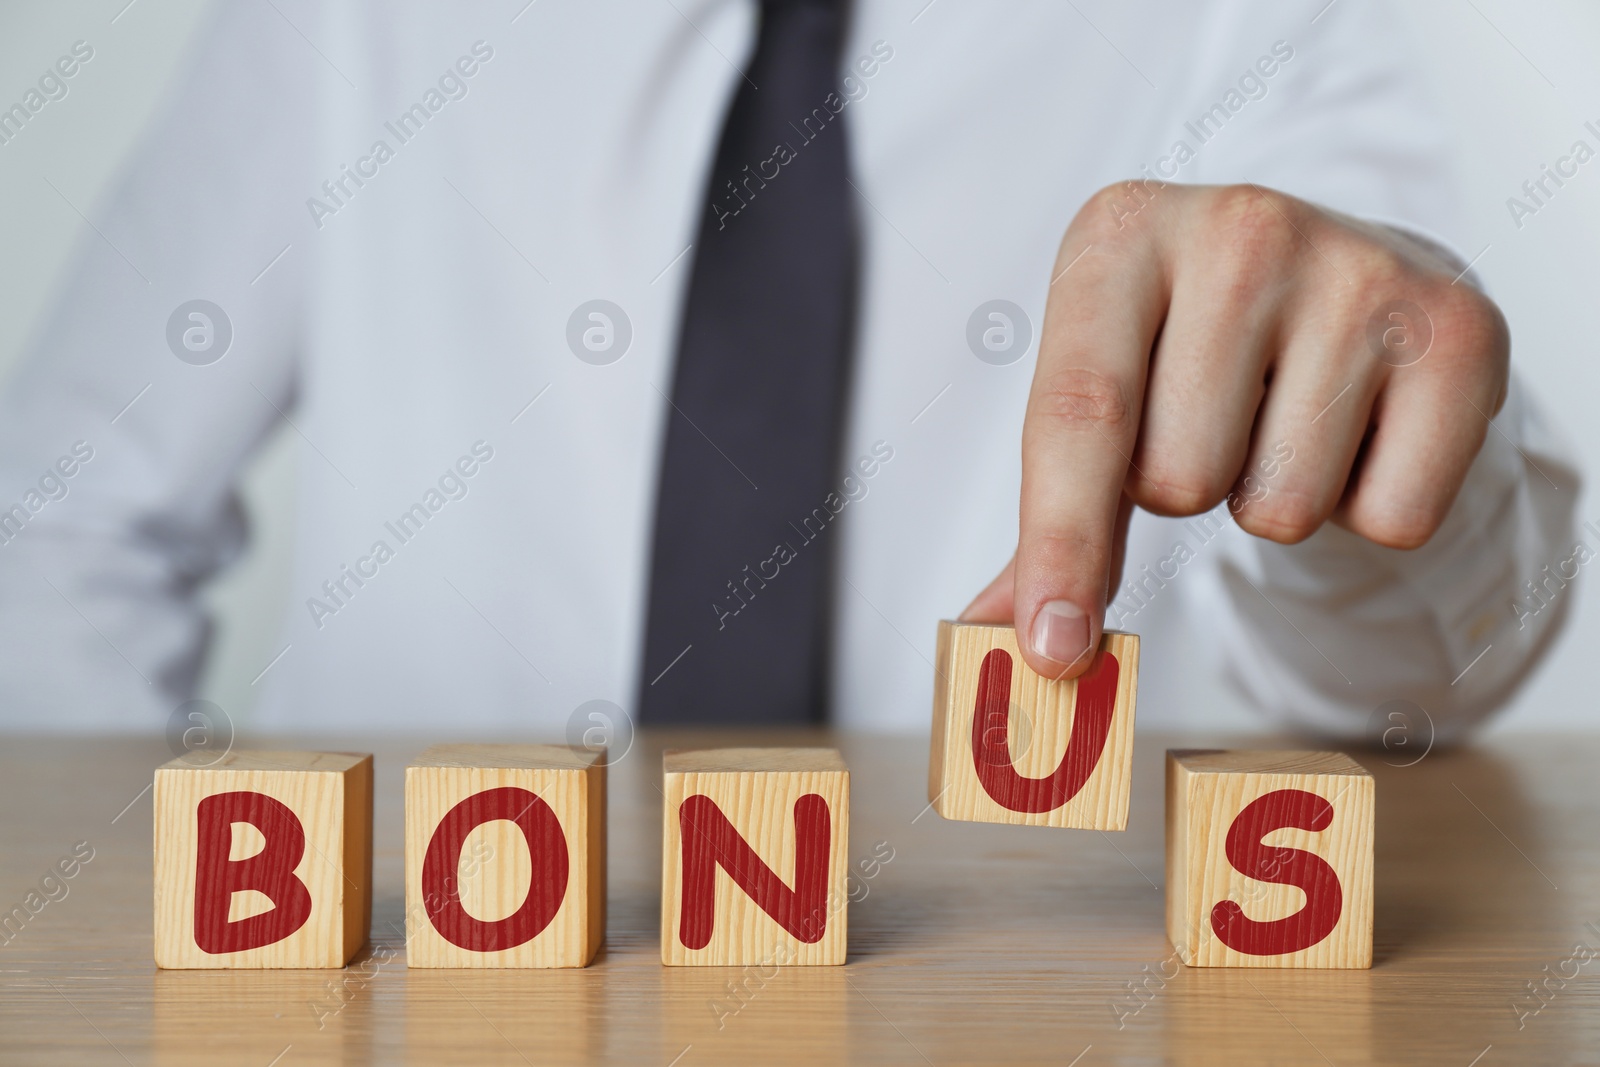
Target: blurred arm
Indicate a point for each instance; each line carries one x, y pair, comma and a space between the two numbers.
100, 568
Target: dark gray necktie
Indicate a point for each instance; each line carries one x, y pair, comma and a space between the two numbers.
739, 577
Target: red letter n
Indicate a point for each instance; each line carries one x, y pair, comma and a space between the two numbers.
269, 872
710, 841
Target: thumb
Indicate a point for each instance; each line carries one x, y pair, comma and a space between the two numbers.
993, 605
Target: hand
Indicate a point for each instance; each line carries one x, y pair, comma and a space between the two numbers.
1193, 337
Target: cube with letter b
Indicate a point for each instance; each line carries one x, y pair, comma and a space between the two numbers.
755, 857
1269, 859
1011, 746
505, 856
263, 859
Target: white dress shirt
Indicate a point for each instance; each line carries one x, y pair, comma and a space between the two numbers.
405, 312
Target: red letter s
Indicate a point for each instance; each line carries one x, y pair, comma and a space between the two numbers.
1285, 866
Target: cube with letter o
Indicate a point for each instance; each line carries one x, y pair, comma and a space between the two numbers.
1269, 859
755, 857
1011, 746
262, 859
505, 856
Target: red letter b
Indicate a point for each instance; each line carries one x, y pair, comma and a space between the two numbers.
269, 872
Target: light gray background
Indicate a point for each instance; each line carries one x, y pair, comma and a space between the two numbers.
1517, 79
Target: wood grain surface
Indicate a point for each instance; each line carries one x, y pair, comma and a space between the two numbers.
975, 944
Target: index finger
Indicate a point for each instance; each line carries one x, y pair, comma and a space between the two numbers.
1078, 438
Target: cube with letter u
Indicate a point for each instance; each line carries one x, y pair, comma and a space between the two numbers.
505, 856
262, 859
1012, 746
755, 857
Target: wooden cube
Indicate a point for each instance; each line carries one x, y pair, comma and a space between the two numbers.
505, 856
1269, 859
1011, 746
755, 852
263, 859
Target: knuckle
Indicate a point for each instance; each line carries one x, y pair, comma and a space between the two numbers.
1286, 516
1471, 325
1255, 224
1107, 214
1398, 525
1177, 492
1079, 396
1378, 277
1466, 332
1464, 338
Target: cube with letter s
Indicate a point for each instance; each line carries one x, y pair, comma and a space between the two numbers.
1269, 859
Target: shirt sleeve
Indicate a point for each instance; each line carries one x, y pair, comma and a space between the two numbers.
126, 424
1326, 633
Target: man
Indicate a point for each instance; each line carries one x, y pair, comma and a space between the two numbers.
606, 390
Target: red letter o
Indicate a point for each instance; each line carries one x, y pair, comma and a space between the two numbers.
547, 848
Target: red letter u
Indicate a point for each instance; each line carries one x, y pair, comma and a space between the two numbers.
991, 721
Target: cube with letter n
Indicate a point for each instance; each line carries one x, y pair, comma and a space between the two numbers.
755, 857
1269, 859
262, 859
505, 856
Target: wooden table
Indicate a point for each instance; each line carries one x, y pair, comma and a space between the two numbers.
975, 943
